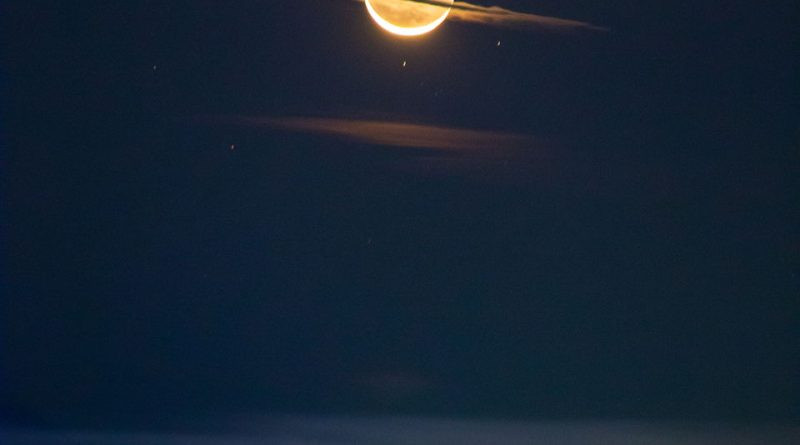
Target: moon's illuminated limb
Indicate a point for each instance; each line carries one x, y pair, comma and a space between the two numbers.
398, 29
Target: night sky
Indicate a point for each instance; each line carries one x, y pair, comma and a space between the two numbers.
169, 254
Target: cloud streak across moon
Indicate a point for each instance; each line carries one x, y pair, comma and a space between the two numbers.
501, 17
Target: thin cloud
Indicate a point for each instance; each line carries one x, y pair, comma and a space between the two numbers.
396, 134
497, 16
501, 17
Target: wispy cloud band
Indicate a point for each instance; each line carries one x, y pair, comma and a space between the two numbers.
497, 16
393, 133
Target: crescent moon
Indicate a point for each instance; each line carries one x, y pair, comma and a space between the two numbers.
407, 18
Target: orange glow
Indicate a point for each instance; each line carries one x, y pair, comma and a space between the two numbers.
407, 18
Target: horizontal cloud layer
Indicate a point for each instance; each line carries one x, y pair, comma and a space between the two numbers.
392, 133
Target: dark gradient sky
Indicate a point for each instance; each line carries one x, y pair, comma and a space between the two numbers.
645, 264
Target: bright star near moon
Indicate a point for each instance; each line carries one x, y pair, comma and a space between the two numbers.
407, 18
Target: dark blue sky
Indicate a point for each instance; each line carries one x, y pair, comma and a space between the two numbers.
643, 264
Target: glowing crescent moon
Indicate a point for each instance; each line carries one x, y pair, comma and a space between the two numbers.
407, 18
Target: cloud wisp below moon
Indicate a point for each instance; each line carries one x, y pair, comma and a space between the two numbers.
423, 149
395, 134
